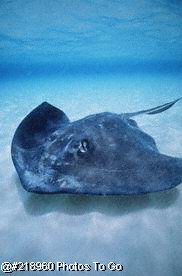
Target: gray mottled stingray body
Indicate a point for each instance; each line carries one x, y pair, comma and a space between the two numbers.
104, 153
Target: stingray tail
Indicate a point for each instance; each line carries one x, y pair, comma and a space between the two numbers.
155, 110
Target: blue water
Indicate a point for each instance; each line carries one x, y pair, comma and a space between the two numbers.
86, 57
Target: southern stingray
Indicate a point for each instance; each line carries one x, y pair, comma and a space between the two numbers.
102, 154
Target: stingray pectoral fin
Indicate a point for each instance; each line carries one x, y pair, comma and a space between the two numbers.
28, 141
151, 111
37, 125
164, 172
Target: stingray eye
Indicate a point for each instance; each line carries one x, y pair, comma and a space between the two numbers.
83, 146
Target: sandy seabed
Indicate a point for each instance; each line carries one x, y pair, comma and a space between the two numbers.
143, 233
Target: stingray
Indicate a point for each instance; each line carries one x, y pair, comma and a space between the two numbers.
102, 154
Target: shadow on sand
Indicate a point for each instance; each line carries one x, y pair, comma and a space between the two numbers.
39, 204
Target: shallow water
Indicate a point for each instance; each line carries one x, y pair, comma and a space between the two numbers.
143, 233
84, 58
